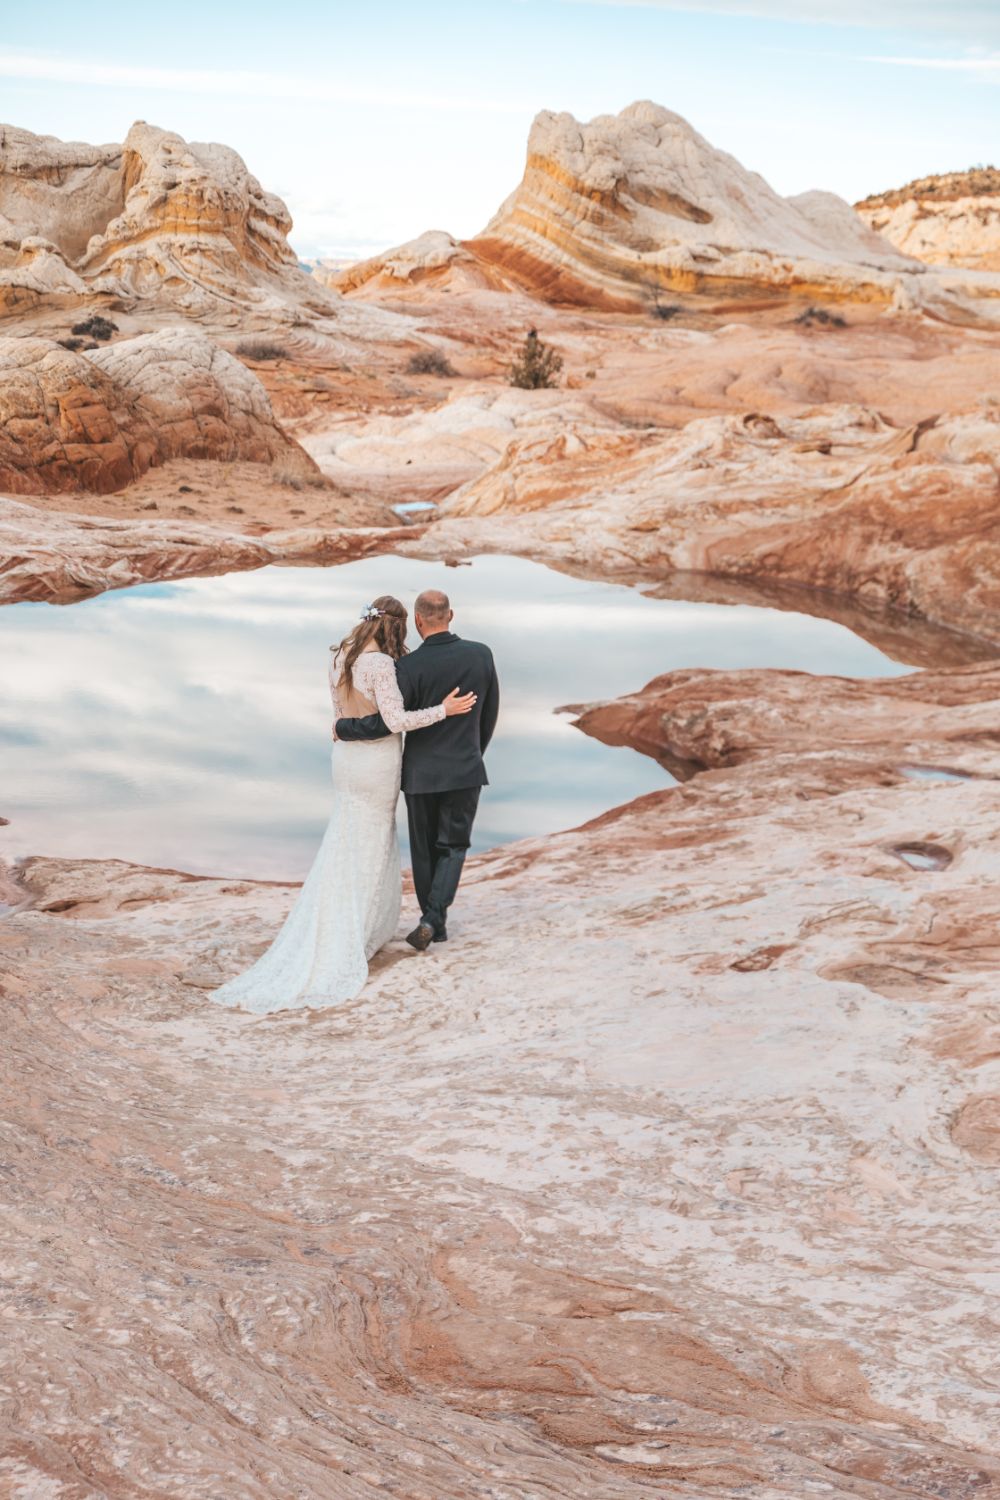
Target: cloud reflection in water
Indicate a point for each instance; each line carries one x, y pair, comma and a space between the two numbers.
187, 724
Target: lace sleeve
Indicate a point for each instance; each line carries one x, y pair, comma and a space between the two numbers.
333, 676
381, 671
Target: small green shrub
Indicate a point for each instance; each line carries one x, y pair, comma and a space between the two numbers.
261, 349
96, 327
537, 365
819, 317
429, 362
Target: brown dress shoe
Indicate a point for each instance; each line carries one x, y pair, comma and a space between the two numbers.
421, 937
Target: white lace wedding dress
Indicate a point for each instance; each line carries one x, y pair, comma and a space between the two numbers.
348, 907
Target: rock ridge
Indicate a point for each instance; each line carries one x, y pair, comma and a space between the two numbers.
155, 220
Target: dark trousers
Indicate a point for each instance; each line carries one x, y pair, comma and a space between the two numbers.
440, 833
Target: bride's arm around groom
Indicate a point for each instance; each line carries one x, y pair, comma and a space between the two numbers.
443, 770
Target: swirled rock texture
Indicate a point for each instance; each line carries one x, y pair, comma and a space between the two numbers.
613, 212
833, 498
951, 219
157, 219
709, 1211
434, 258
96, 421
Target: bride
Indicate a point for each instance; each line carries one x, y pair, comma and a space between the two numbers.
348, 907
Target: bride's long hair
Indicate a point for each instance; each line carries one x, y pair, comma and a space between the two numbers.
384, 622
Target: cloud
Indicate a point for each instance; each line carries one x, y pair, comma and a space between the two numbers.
976, 19
988, 65
51, 68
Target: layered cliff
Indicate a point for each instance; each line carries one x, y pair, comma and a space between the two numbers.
951, 219
627, 207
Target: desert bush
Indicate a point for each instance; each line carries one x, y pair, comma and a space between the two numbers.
814, 316
298, 476
429, 362
261, 349
537, 365
666, 310
96, 327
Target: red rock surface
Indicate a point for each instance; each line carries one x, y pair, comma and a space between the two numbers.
96, 421
833, 499
672, 1173
59, 557
704, 719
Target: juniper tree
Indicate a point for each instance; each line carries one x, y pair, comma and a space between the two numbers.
537, 365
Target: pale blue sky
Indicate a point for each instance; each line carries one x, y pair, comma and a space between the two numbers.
378, 121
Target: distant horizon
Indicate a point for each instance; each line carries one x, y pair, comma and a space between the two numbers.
376, 127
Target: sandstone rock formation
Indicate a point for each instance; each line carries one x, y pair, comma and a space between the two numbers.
833, 499
698, 720
33, 272
79, 421
432, 258
157, 219
63, 557
428, 454
618, 211
483, 1237
951, 219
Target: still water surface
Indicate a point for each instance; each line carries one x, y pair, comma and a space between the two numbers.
186, 724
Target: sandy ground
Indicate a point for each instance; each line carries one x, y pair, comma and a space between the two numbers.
247, 497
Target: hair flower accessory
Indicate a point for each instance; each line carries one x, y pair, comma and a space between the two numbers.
371, 613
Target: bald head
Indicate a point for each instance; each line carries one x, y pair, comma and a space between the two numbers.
432, 612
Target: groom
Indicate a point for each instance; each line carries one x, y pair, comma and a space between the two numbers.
443, 771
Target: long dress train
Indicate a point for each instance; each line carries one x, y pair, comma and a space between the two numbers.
349, 906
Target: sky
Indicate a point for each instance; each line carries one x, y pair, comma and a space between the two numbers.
377, 122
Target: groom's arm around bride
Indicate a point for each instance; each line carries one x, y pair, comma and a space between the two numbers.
441, 656
443, 769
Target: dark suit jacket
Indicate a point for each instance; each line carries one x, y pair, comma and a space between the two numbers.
444, 757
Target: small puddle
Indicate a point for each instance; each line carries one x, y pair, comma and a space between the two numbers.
920, 856
934, 773
411, 511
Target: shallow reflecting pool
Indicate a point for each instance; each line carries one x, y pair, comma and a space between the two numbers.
187, 724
